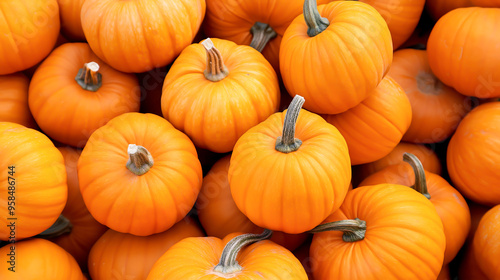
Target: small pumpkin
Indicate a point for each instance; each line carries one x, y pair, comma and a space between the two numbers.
71, 25
14, 100
486, 243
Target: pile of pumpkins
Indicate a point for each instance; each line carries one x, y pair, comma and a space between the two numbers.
262, 139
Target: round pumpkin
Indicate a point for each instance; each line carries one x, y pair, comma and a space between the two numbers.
137, 36
32, 182
138, 174
71, 25
29, 31
486, 243
14, 100
217, 90
73, 92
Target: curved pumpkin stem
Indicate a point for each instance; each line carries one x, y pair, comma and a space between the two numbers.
216, 70
420, 180
315, 23
287, 143
354, 230
227, 262
140, 160
88, 77
60, 227
262, 34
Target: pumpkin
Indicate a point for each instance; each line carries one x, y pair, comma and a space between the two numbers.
486, 243
14, 100
303, 169
245, 256
134, 256
32, 182
384, 231
137, 36
138, 174
72, 93
450, 204
437, 8
463, 55
335, 55
472, 155
37, 259
29, 31
219, 215
71, 25
375, 126
436, 108
219, 80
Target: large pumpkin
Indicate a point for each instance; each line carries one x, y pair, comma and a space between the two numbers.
14, 100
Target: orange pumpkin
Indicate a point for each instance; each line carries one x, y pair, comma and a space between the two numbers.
71, 25
436, 108
138, 174
137, 36
72, 93
374, 127
486, 243
219, 80
32, 184
14, 100
29, 31
437, 8
303, 170
321, 60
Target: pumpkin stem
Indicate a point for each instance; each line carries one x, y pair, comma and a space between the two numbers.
61, 226
262, 34
88, 77
315, 23
420, 181
354, 230
227, 262
140, 160
287, 143
216, 70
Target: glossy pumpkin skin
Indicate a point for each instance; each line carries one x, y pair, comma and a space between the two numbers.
438, 8
437, 109
155, 31
293, 192
40, 181
404, 237
333, 76
30, 29
14, 100
486, 243
472, 155
450, 204
374, 127
195, 258
245, 97
134, 256
220, 216
146, 204
71, 24
462, 53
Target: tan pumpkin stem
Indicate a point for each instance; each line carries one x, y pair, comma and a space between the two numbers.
315, 23
216, 70
88, 77
61, 226
262, 34
227, 262
420, 180
354, 230
140, 160
287, 143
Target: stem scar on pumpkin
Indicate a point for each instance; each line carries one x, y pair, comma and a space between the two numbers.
216, 70
140, 160
354, 230
315, 23
89, 77
420, 184
262, 34
287, 143
60, 227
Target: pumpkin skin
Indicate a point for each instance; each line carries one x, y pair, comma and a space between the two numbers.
14, 100
152, 202
30, 29
472, 153
71, 25
155, 31
329, 75
134, 256
57, 101
196, 105
438, 8
469, 64
374, 127
486, 243
437, 109
404, 237
39, 259
40, 181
